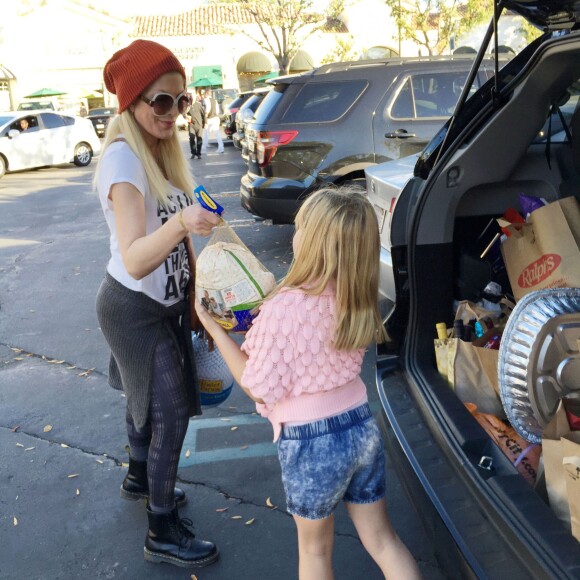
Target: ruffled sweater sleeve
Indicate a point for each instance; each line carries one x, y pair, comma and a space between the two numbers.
290, 350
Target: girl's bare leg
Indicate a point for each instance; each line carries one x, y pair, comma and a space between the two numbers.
381, 541
315, 543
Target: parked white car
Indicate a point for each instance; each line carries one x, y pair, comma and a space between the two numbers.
30, 139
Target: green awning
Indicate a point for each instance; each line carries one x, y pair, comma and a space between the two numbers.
207, 76
45, 93
210, 81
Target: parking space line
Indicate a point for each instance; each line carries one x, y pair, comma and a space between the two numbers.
264, 449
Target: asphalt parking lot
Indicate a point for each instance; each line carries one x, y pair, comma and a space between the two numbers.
62, 438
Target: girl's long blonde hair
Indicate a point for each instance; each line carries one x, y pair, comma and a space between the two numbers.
171, 157
340, 242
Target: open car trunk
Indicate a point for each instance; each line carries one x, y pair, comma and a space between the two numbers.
503, 526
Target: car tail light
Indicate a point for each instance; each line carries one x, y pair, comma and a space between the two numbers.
234, 110
267, 143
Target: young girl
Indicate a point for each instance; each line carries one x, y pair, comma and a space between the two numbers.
301, 363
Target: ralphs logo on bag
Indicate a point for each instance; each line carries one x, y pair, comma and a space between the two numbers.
539, 270
545, 252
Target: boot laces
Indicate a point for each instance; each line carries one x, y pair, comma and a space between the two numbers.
184, 532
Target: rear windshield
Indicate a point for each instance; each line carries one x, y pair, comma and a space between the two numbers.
237, 103
253, 102
269, 103
320, 102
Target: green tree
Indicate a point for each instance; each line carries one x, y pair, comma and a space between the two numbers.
529, 31
342, 51
282, 26
433, 23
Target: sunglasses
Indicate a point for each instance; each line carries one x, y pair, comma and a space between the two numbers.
162, 103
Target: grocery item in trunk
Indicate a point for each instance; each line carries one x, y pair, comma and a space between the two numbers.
545, 252
524, 456
558, 443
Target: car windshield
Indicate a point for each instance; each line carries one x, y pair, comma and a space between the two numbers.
4, 120
34, 106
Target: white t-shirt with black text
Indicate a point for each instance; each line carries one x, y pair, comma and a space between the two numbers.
167, 283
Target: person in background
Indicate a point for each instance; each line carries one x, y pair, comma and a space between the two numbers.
24, 125
301, 362
196, 122
82, 110
144, 186
212, 124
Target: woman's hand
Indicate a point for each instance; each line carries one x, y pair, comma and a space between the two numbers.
199, 221
209, 323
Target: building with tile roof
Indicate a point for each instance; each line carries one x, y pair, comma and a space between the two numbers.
219, 37
65, 44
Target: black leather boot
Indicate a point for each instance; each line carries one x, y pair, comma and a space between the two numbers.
135, 485
169, 540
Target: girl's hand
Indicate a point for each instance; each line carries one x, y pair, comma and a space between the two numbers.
200, 221
233, 355
209, 323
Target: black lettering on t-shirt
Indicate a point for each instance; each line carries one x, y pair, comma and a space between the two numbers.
171, 288
175, 265
162, 212
175, 261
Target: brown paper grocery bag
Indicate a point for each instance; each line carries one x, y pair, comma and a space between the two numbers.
472, 373
545, 252
558, 442
572, 472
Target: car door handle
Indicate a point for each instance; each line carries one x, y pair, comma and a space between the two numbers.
400, 134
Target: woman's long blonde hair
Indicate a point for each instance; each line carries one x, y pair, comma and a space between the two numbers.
340, 242
171, 157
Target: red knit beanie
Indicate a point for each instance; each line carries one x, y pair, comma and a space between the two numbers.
132, 69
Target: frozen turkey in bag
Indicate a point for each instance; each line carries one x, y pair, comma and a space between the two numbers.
230, 281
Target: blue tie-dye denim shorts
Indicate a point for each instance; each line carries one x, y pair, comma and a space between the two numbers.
325, 461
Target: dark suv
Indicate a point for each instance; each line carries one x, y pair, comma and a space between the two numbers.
244, 117
330, 124
520, 133
231, 112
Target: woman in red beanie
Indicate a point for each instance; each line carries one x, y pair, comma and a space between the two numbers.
144, 186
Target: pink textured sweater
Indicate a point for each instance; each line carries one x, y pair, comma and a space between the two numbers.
292, 364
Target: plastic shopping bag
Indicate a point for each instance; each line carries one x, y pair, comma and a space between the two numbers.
230, 281
214, 377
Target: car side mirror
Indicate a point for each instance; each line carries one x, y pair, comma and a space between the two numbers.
13, 133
